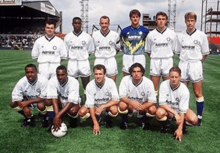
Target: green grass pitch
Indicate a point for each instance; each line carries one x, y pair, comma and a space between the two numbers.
14, 138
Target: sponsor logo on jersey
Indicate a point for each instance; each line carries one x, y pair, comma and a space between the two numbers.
48, 52
42, 46
188, 47
77, 47
161, 44
31, 96
62, 96
174, 105
135, 98
102, 100
105, 48
54, 47
134, 38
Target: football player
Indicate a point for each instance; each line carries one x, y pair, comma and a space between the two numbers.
101, 95
107, 44
160, 44
137, 93
49, 51
63, 93
193, 48
30, 92
79, 45
174, 102
133, 42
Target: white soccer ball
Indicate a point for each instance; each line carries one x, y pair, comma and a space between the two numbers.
61, 132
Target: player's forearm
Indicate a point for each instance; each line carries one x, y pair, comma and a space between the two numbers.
92, 114
146, 105
180, 126
169, 109
203, 58
126, 100
111, 103
65, 109
55, 106
36, 100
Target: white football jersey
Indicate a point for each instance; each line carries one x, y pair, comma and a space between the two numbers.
106, 44
141, 92
177, 98
161, 44
49, 50
97, 95
192, 46
66, 92
79, 46
30, 90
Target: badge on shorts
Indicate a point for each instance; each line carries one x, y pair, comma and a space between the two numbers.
195, 41
54, 47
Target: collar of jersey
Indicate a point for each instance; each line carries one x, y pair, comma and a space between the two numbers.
191, 32
174, 88
104, 34
137, 83
134, 27
162, 30
33, 83
77, 34
63, 84
100, 86
49, 39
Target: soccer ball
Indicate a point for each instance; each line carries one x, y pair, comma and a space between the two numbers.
61, 132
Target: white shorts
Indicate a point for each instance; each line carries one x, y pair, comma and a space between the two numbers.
78, 68
129, 60
48, 69
160, 67
191, 71
110, 65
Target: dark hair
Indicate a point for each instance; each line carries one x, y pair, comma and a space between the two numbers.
134, 11
136, 65
30, 65
99, 67
161, 13
50, 22
77, 18
105, 17
190, 15
61, 67
175, 69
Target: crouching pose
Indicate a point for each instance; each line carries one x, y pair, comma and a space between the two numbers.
137, 93
101, 95
174, 101
30, 92
63, 92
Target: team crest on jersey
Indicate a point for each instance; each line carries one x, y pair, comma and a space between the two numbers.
25, 91
140, 32
128, 33
177, 99
38, 90
54, 47
42, 46
111, 43
168, 39
142, 94
195, 41
107, 93
83, 43
167, 94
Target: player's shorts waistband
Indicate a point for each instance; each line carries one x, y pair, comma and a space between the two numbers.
190, 61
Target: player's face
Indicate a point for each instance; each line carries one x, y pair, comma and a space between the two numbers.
61, 75
137, 74
50, 30
161, 21
104, 23
77, 25
174, 79
135, 20
31, 73
190, 24
99, 76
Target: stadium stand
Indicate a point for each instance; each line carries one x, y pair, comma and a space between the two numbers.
22, 22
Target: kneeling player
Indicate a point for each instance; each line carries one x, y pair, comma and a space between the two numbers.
30, 91
101, 95
137, 93
174, 101
63, 91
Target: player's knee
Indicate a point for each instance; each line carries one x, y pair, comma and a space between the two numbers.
83, 111
41, 106
159, 114
198, 94
122, 106
73, 111
27, 112
48, 102
152, 110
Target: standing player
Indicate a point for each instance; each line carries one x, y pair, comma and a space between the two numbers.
79, 45
30, 92
174, 102
192, 45
64, 94
133, 42
101, 95
107, 43
160, 44
49, 50
137, 93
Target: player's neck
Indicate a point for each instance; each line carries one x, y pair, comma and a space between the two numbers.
175, 86
50, 36
105, 31
135, 25
77, 31
190, 30
136, 81
161, 29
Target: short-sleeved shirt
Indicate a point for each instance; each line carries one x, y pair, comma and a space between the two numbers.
161, 44
79, 46
176, 98
191, 46
141, 92
30, 90
106, 44
133, 40
97, 95
66, 92
49, 50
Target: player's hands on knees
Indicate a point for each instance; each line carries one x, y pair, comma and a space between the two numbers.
96, 129
23, 104
137, 105
178, 134
99, 110
57, 123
